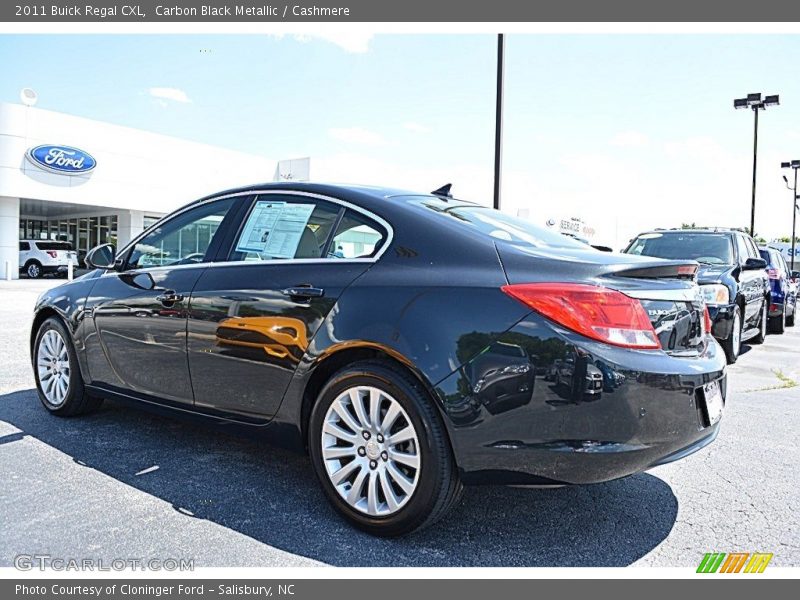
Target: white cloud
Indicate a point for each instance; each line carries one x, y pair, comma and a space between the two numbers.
356, 135
629, 139
415, 127
168, 93
349, 41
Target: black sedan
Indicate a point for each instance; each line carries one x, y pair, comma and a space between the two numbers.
732, 278
402, 339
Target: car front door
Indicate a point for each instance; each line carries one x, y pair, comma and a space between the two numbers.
253, 315
138, 342
753, 282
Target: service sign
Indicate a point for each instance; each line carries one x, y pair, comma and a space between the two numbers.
65, 160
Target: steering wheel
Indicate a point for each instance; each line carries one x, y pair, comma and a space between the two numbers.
194, 258
709, 259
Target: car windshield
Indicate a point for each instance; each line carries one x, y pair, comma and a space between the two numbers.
500, 226
706, 248
54, 245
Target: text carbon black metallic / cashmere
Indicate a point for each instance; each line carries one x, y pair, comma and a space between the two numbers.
411, 343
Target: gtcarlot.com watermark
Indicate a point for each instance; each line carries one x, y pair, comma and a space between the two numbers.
44, 562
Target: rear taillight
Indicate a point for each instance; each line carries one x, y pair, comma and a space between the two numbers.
773, 274
599, 313
52, 253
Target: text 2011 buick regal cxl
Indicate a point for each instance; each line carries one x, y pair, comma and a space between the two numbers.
411, 343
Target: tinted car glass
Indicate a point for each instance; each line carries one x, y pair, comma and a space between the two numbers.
24, 246
181, 240
279, 228
356, 237
54, 245
711, 248
499, 225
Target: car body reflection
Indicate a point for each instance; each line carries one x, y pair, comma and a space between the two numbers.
273, 338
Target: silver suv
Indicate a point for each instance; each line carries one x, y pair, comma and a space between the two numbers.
39, 257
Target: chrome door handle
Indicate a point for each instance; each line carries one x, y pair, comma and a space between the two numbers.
303, 291
169, 297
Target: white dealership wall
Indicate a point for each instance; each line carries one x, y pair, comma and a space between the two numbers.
137, 173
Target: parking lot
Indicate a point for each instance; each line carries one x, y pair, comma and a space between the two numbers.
122, 483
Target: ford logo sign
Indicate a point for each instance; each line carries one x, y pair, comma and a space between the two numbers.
61, 159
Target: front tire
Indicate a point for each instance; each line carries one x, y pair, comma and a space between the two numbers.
733, 343
58, 376
380, 450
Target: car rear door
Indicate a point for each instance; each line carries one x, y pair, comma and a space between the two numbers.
254, 313
138, 345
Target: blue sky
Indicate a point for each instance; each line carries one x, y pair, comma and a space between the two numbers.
627, 131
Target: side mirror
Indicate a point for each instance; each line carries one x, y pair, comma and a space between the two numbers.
101, 257
796, 275
751, 264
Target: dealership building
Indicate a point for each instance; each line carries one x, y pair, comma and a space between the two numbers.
88, 182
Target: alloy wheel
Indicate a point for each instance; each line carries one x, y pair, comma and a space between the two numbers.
34, 271
53, 368
371, 451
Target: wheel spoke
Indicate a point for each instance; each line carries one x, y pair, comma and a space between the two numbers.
374, 408
388, 492
358, 405
405, 434
343, 473
410, 460
390, 417
344, 415
339, 433
354, 495
397, 476
372, 493
332, 452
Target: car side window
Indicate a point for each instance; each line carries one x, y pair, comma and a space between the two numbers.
753, 248
184, 239
285, 227
742, 248
356, 237
24, 246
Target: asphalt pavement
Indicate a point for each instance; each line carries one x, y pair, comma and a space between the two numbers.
125, 484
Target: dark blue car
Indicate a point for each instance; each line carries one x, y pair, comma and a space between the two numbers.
782, 301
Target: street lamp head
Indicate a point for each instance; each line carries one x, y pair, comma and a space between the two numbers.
740, 103
795, 164
786, 165
772, 100
753, 99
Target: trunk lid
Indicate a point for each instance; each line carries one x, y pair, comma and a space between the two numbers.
666, 288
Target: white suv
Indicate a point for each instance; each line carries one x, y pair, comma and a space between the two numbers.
38, 257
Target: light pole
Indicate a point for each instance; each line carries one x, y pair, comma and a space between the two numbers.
755, 102
795, 164
498, 119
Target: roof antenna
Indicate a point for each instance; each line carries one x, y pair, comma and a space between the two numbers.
443, 191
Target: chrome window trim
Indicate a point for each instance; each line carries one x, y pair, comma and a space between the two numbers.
381, 221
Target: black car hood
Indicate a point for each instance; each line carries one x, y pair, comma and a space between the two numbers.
713, 273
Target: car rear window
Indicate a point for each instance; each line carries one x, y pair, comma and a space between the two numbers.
54, 245
498, 225
706, 248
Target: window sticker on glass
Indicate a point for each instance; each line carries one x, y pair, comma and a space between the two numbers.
274, 229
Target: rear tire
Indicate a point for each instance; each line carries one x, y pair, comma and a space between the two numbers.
33, 269
380, 495
778, 324
57, 373
732, 345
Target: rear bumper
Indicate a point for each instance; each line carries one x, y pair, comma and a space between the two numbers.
564, 435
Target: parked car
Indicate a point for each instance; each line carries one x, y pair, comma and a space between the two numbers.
732, 277
398, 322
42, 257
783, 296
